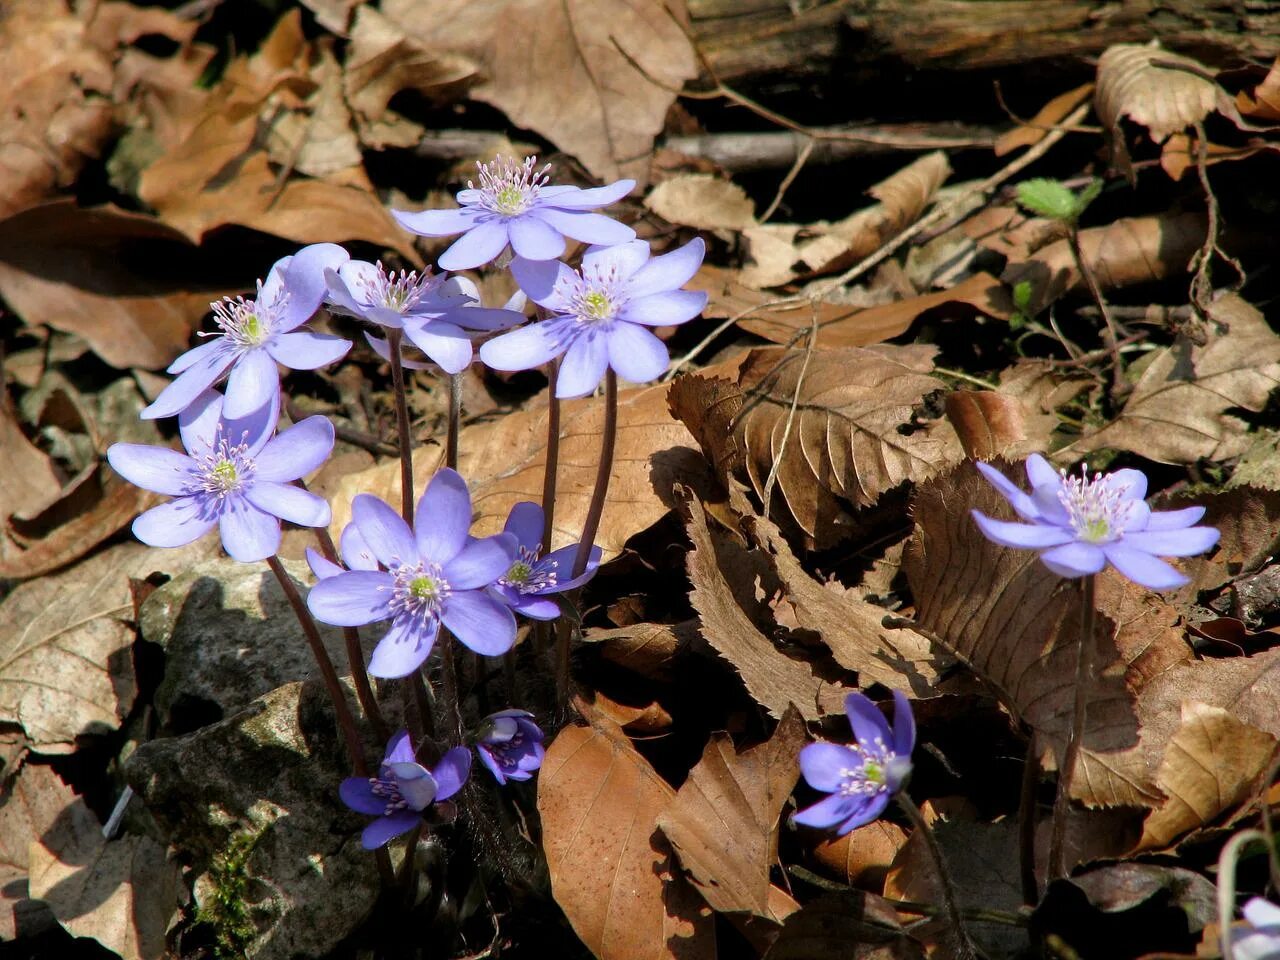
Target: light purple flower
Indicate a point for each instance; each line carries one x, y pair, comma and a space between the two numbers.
353, 551
434, 310
235, 476
403, 789
530, 582
861, 779
514, 205
599, 317
1262, 942
256, 335
432, 574
1080, 524
510, 745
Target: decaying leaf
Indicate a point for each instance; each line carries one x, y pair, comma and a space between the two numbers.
1123, 886
623, 58
702, 201
723, 823
845, 926
611, 869
1178, 411
34, 805
1263, 103
1038, 127
862, 857
651, 649
31, 483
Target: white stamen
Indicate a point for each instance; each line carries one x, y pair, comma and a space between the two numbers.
509, 188
1097, 511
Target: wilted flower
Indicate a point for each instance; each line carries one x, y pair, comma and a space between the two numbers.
256, 335
514, 205
599, 317
862, 777
529, 584
433, 574
236, 476
1080, 524
403, 789
1263, 941
510, 745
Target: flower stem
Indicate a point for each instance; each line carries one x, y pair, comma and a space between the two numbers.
394, 339
964, 946
455, 417
449, 687
552, 465
1227, 885
1027, 824
1075, 736
343, 712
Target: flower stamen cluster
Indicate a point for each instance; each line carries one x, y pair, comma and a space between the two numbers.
242, 321
1098, 511
226, 468
419, 590
509, 188
401, 291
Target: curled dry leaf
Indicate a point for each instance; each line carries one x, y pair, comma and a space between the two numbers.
862, 857
702, 201
611, 868
623, 58
723, 822
1263, 103
317, 140
1123, 886
987, 422
1178, 411
1249, 520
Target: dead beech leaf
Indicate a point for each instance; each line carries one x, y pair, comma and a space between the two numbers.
1038, 127
31, 483
724, 578
650, 649
702, 201
624, 59
34, 805
1124, 253
1249, 520
1264, 102
1210, 765
987, 422
1178, 410
611, 868
845, 926
708, 407
723, 822
861, 858
317, 140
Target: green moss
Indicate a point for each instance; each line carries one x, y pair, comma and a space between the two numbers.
226, 910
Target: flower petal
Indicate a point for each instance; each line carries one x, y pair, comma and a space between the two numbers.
357, 793
543, 280
1040, 472
522, 349
404, 648
823, 765
1174, 519
621, 260
400, 749
320, 565
290, 503
160, 469
669, 271
352, 599
525, 523
192, 382
827, 812
1262, 913
355, 551
865, 814
443, 518
590, 198
443, 342
297, 451
386, 533
416, 784
587, 227
1074, 559
1142, 568
868, 723
480, 244
254, 379
1022, 504
201, 354
439, 223
904, 725
451, 772
383, 349
484, 318
480, 622
174, 524
481, 562
536, 607
1173, 543
535, 239
385, 829
248, 533
198, 423
306, 350
566, 567
304, 282
665, 309
1131, 483
1032, 535
635, 353
583, 366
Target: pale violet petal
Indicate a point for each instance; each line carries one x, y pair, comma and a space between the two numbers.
670, 271
352, 599
635, 353
583, 366
476, 247
1074, 559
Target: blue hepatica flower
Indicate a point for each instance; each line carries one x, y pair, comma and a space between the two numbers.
353, 551
599, 317
257, 334
235, 476
862, 777
531, 582
1262, 941
515, 205
432, 574
403, 789
1080, 524
510, 745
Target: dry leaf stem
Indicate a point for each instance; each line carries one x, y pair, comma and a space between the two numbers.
1075, 736
964, 946
1110, 337
394, 339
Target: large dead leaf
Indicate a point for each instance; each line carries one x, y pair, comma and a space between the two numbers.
611, 869
31, 483
622, 58
723, 823
702, 201
861, 858
1178, 411
34, 805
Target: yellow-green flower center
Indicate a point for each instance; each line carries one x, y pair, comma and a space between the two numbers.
252, 328
597, 305
519, 572
424, 588
873, 772
509, 200
224, 475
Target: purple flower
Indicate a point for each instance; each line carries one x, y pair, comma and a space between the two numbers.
599, 316
236, 476
432, 574
861, 779
510, 745
1262, 942
403, 789
256, 335
352, 549
514, 205
530, 581
1079, 524
434, 311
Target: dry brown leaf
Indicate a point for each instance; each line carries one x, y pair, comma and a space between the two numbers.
861, 858
30, 483
611, 869
1038, 127
725, 579
1126, 252
34, 805
1249, 521
723, 822
623, 58
333, 15
1178, 410
651, 649
987, 422
1264, 102
702, 201
317, 140
1210, 765
845, 926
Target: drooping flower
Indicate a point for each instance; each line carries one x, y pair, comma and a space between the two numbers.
235, 476
515, 205
257, 334
529, 584
432, 574
434, 310
1262, 942
510, 745
861, 777
1080, 524
599, 317
403, 789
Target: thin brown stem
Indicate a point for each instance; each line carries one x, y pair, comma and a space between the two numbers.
1110, 334
346, 722
552, 464
394, 340
1027, 824
455, 418
964, 946
452, 705
1075, 735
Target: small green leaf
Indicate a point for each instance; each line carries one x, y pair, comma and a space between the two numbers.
1022, 296
1049, 198
1088, 195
